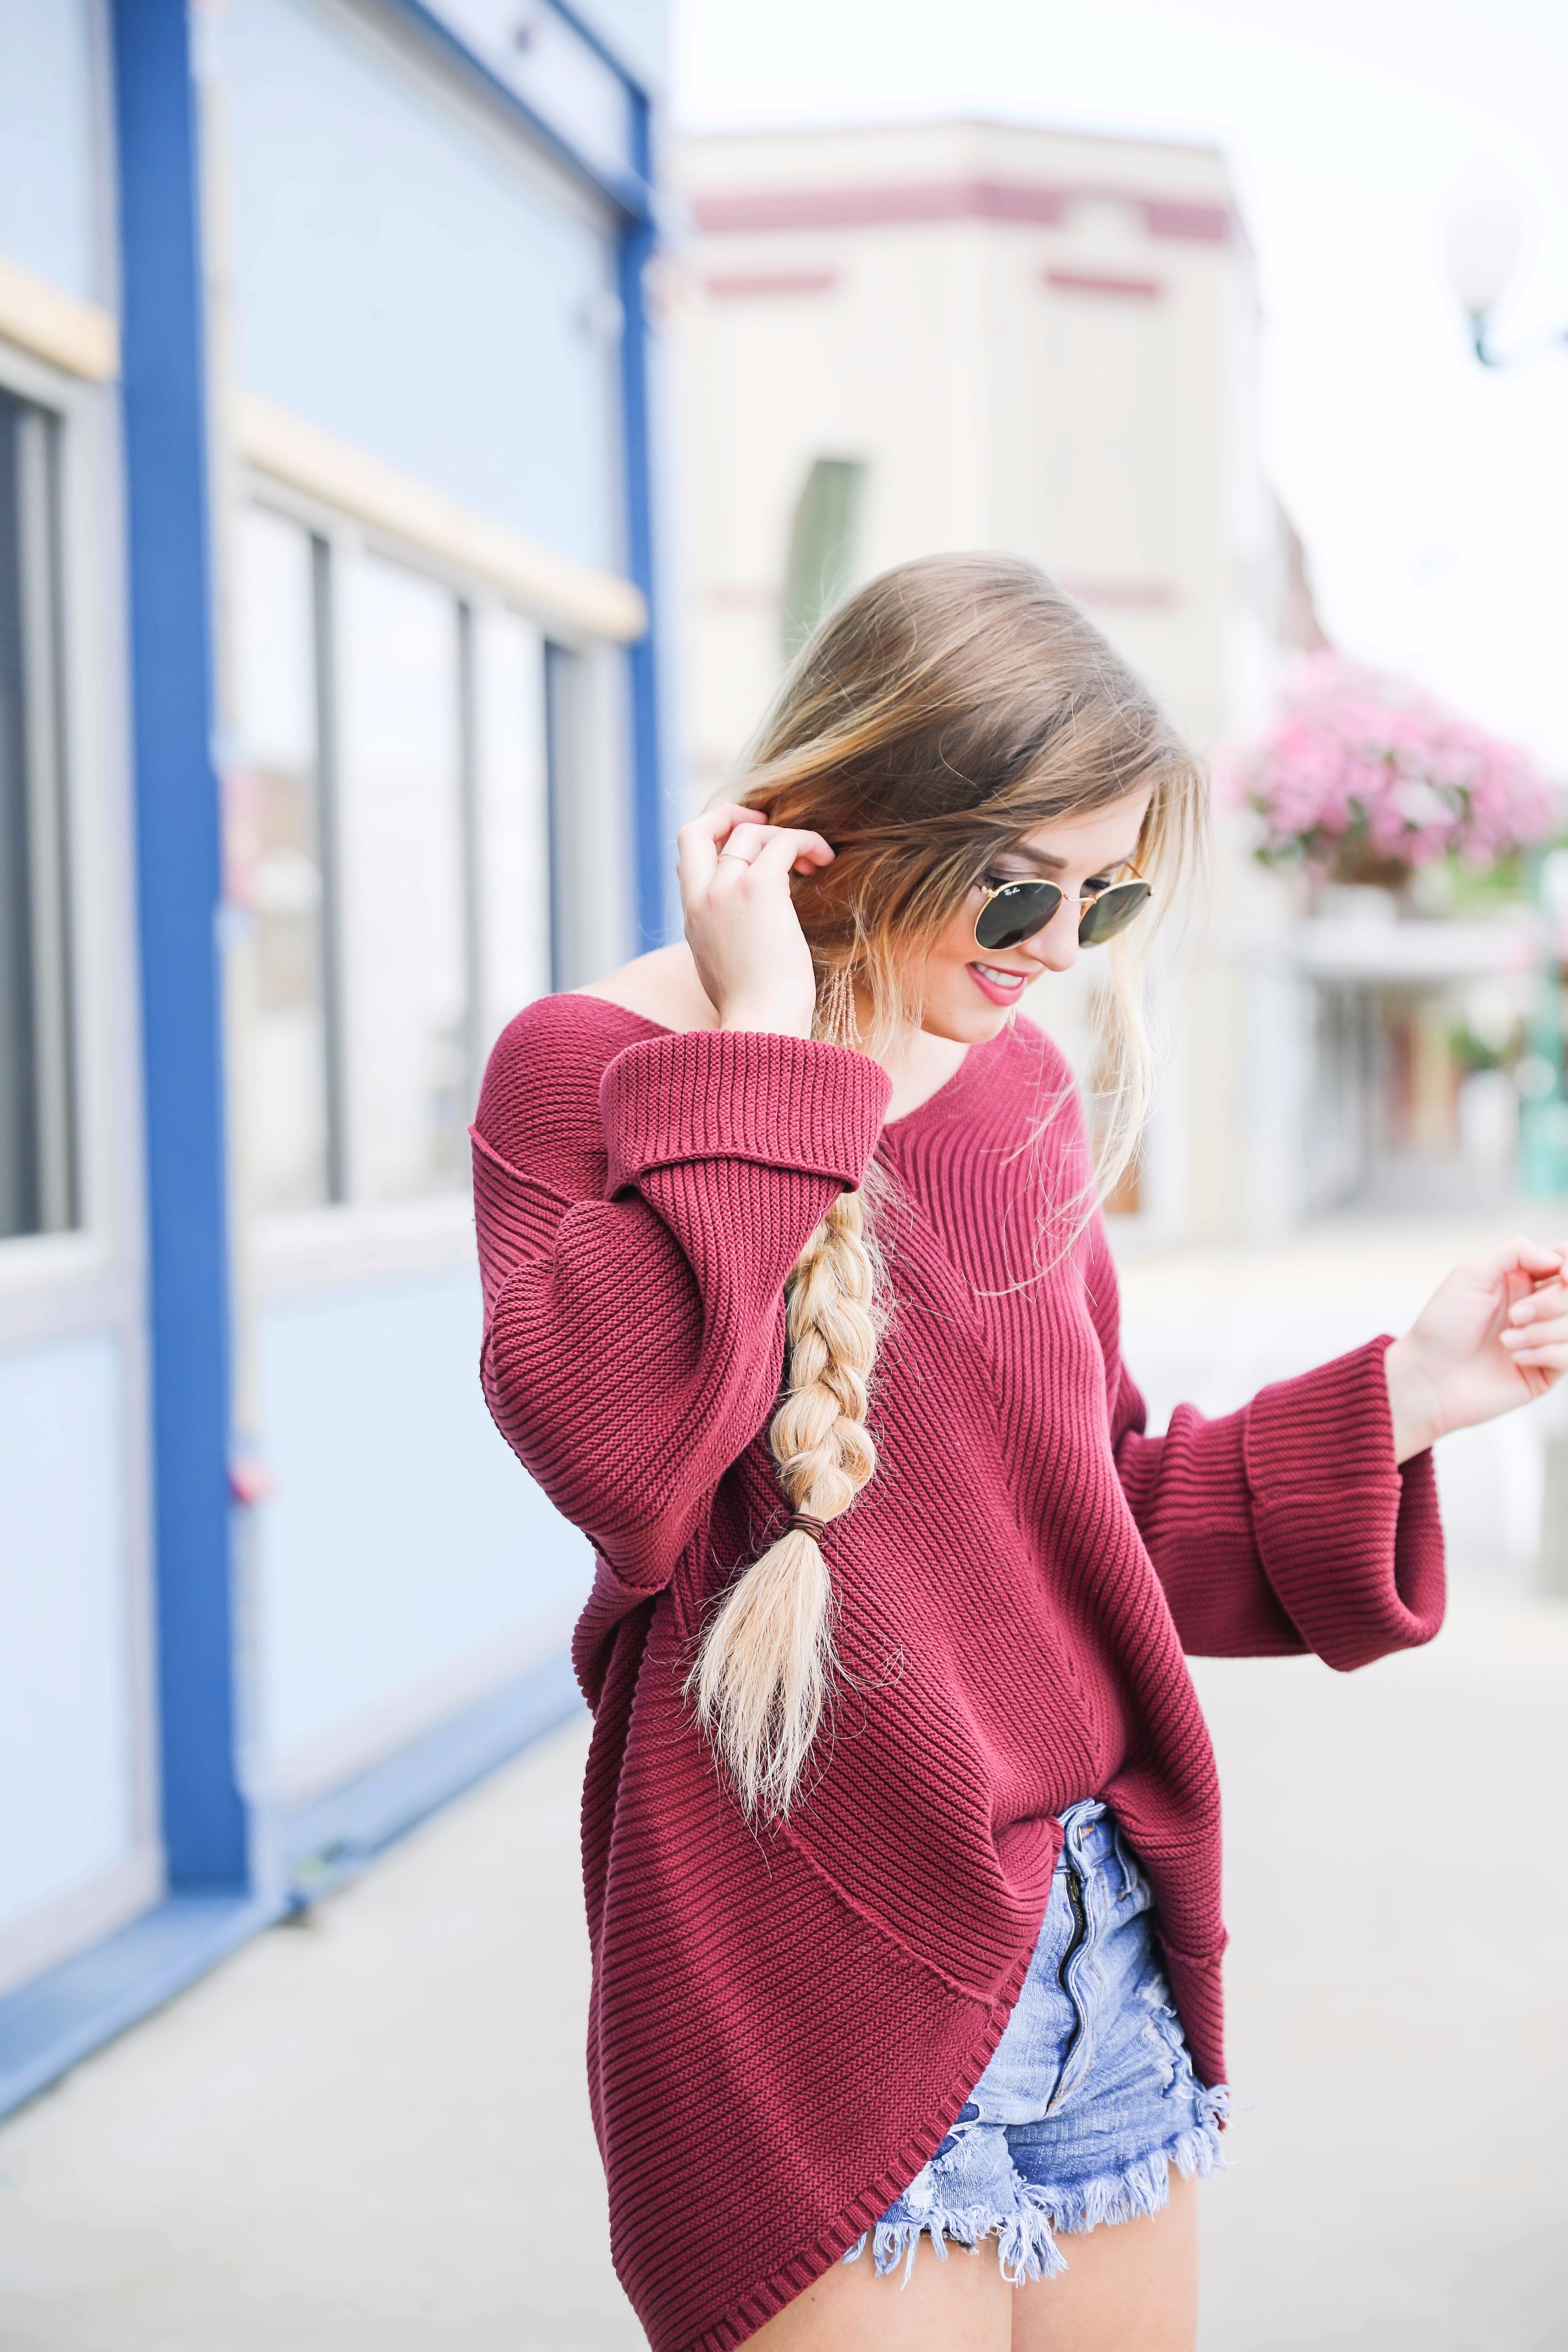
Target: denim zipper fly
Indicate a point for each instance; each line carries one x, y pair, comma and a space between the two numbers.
1078, 1900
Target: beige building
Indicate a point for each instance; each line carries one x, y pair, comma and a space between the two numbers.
965, 335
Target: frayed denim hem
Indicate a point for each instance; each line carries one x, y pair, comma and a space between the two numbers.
1025, 2245
1145, 2185
1026, 2236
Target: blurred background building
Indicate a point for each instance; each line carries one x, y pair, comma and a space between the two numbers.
329, 736
968, 334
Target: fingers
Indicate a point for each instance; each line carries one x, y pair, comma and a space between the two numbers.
780, 851
1537, 1331
1540, 1260
1545, 1353
786, 852
702, 843
1547, 1299
698, 846
716, 823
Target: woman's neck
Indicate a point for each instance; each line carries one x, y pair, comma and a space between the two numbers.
920, 1065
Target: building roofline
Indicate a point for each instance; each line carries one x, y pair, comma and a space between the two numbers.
1172, 144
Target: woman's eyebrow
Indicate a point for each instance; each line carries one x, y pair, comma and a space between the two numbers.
1041, 857
1050, 863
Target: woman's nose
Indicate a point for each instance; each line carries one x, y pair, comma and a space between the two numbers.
1055, 948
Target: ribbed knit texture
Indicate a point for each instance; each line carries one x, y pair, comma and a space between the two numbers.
785, 2024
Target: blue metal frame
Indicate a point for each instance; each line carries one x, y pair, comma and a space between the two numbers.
178, 872
653, 849
597, 43
630, 193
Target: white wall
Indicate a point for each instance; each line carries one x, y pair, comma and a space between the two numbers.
47, 109
68, 1770
406, 1562
411, 277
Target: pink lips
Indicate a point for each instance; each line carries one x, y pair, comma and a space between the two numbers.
989, 990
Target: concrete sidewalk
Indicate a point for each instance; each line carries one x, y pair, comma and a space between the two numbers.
372, 2132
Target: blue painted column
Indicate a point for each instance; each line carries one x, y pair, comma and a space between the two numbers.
178, 886
654, 850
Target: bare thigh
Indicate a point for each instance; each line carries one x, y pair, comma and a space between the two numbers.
960, 2304
1130, 2286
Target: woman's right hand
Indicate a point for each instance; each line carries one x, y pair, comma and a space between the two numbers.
751, 952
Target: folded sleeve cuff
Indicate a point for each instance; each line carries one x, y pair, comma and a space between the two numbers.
742, 1094
1350, 1542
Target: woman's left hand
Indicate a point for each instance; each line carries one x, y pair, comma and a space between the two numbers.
1493, 1336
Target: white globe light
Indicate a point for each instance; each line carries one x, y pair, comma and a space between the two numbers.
1482, 240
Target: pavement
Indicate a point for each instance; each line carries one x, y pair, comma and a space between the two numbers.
367, 2131
370, 2131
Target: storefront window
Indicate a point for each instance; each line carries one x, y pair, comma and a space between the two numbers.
514, 818
390, 830
37, 1183
401, 884
289, 1114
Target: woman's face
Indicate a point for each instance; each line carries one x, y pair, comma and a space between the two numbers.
966, 992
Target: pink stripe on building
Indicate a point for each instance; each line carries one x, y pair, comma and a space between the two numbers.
1108, 595
753, 211
729, 287
1083, 281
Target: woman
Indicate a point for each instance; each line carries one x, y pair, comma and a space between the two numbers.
901, 1831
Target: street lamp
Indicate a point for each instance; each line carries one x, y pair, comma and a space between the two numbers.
1483, 240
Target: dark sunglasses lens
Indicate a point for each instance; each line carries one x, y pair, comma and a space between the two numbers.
1111, 912
1015, 914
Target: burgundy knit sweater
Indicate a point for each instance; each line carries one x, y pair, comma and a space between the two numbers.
784, 2023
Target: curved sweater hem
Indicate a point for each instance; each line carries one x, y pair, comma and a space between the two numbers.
815, 2260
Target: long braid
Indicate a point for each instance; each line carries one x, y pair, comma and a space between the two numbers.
765, 1671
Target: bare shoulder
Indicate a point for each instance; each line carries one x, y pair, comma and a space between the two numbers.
662, 986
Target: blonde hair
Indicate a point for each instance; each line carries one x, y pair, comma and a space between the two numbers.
945, 711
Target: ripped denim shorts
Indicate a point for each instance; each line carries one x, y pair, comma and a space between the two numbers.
1090, 2097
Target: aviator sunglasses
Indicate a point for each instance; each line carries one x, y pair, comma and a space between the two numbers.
1014, 911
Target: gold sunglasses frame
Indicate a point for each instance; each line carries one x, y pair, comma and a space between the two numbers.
1091, 899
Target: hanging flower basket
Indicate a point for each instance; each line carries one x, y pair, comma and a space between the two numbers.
1364, 779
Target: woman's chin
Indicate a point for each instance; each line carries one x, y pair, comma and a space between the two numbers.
966, 1024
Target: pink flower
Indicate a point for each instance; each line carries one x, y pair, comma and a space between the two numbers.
1362, 769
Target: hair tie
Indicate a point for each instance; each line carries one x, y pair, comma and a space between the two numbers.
815, 1528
